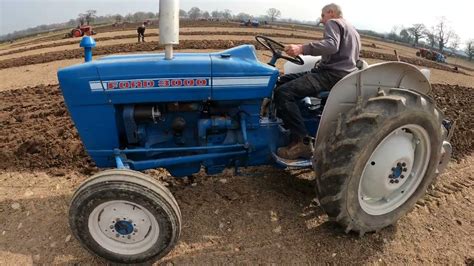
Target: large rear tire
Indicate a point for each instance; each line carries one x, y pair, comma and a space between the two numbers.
380, 160
125, 217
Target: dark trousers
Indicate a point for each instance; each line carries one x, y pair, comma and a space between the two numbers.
292, 88
142, 36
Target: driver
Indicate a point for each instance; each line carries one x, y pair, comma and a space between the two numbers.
340, 51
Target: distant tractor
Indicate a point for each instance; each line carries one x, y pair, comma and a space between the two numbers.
80, 31
431, 55
250, 23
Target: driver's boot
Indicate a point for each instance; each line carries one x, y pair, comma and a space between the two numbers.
300, 149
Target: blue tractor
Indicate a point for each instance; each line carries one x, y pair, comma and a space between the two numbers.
379, 140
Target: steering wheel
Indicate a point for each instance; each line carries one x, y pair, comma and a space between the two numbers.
277, 50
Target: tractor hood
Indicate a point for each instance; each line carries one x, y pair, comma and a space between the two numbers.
233, 74
145, 77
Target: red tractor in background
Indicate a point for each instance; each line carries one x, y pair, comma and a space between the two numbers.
80, 31
431, 55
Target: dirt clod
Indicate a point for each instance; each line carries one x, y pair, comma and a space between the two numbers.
45, 138
456, 103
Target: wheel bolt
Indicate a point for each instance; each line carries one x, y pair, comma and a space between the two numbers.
111, 227
391, 181
393, 168
390, 176
404, 164
135, 230
402, 176
404, 169
396, 181
399, 164
129, 236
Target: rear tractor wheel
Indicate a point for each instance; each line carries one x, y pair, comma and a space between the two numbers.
380, 161
125, 217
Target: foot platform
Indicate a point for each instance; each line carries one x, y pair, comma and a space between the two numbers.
304, 163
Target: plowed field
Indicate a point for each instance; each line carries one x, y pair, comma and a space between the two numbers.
263, 215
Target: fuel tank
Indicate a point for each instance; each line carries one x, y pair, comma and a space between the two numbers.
237, 74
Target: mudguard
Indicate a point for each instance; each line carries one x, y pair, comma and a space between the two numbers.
364, 84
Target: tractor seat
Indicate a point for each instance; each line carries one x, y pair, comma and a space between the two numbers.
320, 100
323, 95
316, 101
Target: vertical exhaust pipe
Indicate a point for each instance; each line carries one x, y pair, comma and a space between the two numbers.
169, 25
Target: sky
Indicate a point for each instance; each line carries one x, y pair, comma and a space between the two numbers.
377, 15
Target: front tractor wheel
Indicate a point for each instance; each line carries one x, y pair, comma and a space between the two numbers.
125, 217
380, 161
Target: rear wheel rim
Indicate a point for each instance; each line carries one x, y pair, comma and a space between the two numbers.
394, 170
123, 227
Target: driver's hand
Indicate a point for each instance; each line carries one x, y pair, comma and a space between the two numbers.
294, 50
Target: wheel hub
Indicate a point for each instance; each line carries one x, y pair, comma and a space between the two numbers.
394, 170
398, 172
123, 226
122, 222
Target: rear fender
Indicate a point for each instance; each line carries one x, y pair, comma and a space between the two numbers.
364, 84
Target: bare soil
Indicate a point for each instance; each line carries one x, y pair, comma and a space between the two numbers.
32, 75
456, 103
45, 73
263, 215
153, 31
130, 38
190, 44
374, 48
37, 132
109, 28
153, 35
133, 40
371, 43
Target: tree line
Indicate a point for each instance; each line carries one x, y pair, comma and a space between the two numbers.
195, 13
439, 37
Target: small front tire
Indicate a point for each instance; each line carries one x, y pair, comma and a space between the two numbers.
125, 217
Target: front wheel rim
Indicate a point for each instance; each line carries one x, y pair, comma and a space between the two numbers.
394, 170
123, 227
